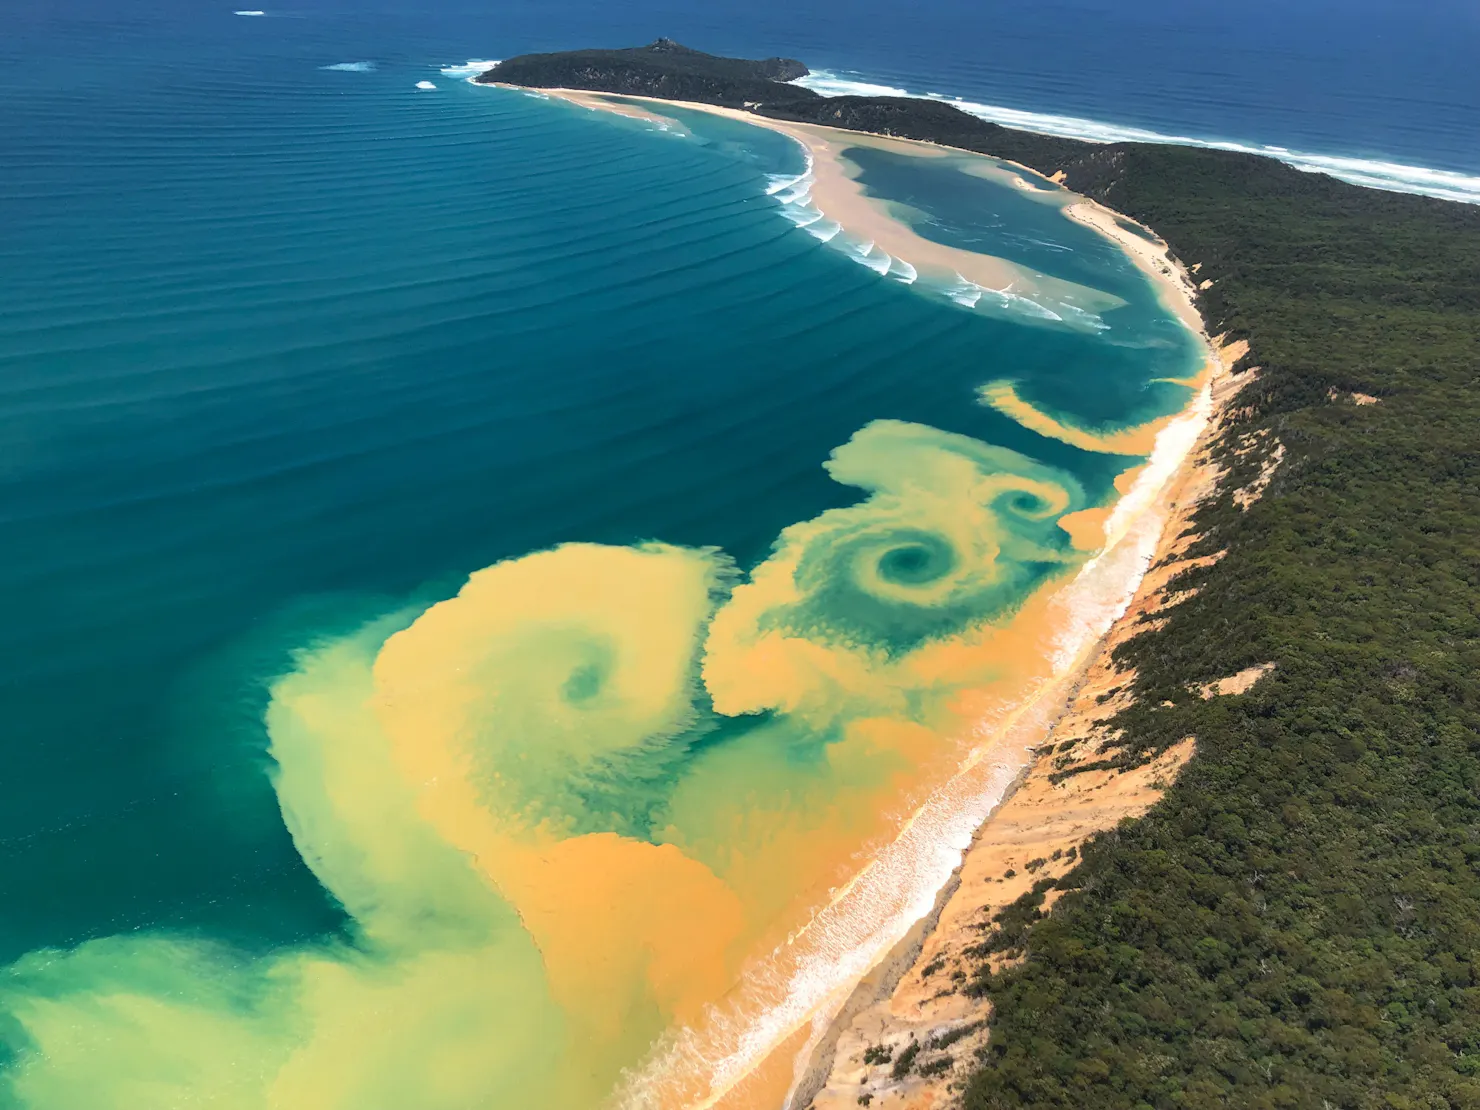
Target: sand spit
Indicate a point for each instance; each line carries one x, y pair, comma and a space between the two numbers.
599, 102
915, 997
910, 1001
837, 194
834, 192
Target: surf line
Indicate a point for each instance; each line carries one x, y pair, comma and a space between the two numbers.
1372, 173
826, 198
807, 980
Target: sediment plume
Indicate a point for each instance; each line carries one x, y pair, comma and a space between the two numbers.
626, 818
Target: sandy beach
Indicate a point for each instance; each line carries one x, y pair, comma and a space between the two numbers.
1177, 288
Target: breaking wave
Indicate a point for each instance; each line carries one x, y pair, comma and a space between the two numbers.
903, 271
473, 67
1393, 177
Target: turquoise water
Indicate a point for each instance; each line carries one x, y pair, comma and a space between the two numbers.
284, 349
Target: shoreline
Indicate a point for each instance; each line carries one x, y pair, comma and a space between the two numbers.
840, 198
1033, 817
1152, 258
1385, 173
836, 195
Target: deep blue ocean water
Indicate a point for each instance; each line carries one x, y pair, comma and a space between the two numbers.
1378, 81
282, 347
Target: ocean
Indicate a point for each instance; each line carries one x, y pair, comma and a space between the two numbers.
291, 347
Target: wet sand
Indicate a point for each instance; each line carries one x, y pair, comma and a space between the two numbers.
1178, 291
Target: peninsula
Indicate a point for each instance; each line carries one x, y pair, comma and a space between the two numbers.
1293, 921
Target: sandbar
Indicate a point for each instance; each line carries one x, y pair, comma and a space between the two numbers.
840, 197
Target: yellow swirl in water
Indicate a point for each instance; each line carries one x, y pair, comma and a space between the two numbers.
569, 807
842, 619
545, 674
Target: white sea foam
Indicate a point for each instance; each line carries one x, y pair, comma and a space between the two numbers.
351, 67
969, 294
1072, 312
1016, 302
425, 85
473, 67
965, 292
778, 183
877, 261
1131, 532
1394, 177
832, 84
802, 217
248, 13
823, 229
902, 271
798, 192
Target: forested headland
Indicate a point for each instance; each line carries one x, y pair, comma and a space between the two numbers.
1297, 923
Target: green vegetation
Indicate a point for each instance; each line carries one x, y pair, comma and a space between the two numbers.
961, 1032
938, 1066
663, 68
905, 1060
1297, 924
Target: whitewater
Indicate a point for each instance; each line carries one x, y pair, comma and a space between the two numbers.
1395, 177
